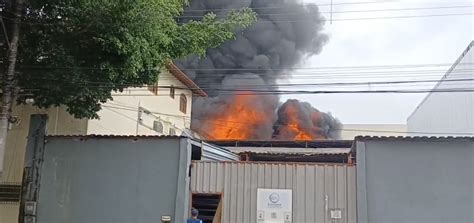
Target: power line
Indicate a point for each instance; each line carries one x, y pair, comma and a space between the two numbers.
280, 7
133, 119
348, 11
372, 18
305, 21
276, 92
326, 76
287, 85
248, 123
261, 69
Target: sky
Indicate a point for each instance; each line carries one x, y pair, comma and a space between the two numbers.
408, 41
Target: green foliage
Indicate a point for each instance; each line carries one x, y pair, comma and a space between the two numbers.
75, 53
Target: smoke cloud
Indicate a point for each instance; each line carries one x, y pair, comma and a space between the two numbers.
299, 120
283, 35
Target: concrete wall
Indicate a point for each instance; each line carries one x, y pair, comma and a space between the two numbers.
116, 180
415, 180
350, 131
60, 122
119, 117
316, 188
449, 113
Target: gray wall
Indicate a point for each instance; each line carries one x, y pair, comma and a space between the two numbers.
311, 185
415, 181
116, 180
448, 113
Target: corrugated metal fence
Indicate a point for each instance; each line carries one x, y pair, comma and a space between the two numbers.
317, 189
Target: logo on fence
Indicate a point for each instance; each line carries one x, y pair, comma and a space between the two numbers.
274, 198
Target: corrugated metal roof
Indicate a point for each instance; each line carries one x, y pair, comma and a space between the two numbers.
289, 144
289, 150
415, 138
213, 152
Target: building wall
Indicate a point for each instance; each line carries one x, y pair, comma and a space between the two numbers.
9, 212
119, 117
415, 180
316, 188
448, 113
59, 122
350, 131
111, 180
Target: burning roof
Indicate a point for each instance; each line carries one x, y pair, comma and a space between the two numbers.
259, 56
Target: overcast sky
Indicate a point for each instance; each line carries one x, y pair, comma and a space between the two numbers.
431, 40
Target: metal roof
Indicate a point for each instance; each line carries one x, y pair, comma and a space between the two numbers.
288, 144
289, 150
298, 157
92, 136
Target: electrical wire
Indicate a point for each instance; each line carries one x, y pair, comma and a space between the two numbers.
307, 92
349, 11
247, 87
305, 21
370, 18
248, 123
280, 7
387, 66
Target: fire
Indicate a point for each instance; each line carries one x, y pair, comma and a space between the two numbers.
238, 121
293, 126
245, 117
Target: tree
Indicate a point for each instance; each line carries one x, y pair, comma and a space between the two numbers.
75, 53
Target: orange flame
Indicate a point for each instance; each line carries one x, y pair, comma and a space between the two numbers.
241, 120
294, 125
237, 122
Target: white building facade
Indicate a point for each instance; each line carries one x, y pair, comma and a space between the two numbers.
350, 131
448, 113
160, 109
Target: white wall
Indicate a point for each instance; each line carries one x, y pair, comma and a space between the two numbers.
448, 113
119, 117
350, 131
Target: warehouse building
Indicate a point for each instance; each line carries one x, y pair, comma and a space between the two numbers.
448, 113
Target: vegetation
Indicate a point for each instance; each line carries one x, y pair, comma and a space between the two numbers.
75, 53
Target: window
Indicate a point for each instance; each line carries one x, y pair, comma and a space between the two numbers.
172, 132
183, 103
158, 126
172, 91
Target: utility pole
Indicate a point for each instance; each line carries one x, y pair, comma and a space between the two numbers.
9, 81
330, 20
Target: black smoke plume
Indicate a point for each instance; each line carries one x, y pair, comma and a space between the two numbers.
285, 33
